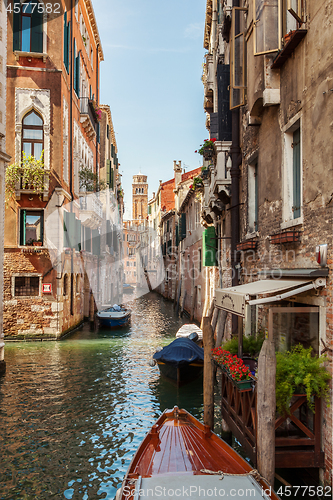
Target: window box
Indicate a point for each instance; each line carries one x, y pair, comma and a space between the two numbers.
292, 39
247, 245
285, 237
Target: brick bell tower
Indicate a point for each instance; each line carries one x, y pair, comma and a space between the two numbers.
139, 198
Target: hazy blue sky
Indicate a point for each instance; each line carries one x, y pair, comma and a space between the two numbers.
151, 78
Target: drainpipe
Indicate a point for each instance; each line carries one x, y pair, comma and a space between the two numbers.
235, 175
71, 169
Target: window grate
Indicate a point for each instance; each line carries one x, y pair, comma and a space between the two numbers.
26, 286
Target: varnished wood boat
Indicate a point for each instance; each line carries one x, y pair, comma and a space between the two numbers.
180, 458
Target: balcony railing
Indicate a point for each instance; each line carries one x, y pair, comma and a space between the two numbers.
88, 117
297, 435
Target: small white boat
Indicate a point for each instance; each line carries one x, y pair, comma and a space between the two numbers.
186, 330
114, 316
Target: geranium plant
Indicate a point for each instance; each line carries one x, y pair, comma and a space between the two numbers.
197, 182
97, 110
234, 365
29, 173
208, 144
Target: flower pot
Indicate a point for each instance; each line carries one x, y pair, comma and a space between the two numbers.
37, 243
208, 153
242, 385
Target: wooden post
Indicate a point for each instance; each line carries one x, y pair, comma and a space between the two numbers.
208, 381
194, 302
266, 411
183, 305
221, 327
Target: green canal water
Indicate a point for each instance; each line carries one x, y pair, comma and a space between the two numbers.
72, 413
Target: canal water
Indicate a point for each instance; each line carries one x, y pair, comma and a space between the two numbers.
72, 413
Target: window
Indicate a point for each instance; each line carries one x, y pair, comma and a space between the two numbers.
292, 173
76, 65
32, 135
31, 227
253, 197
273, 19
238, 57
28, 28
65, 288
26, 286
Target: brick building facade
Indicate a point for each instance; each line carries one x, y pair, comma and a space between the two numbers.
56, 241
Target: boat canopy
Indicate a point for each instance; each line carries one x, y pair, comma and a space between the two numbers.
180, 352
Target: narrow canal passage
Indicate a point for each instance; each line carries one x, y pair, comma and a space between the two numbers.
72, 413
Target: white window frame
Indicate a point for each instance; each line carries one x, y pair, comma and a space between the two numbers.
287, 174
234, 36
26, 275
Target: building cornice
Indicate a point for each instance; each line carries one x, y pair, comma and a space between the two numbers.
208, 23
93, 24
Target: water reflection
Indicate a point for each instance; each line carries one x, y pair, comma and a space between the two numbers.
74, 412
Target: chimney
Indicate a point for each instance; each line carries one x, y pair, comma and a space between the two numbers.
177, 167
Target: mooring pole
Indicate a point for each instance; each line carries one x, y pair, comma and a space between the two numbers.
208, 380
266, 411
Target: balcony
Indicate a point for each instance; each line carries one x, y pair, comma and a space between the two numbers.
91, 210
88, 117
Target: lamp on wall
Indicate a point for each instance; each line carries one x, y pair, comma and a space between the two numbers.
321, 254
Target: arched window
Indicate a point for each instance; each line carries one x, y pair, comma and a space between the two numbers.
32, 135
28, 28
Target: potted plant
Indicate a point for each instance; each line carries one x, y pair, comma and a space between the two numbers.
234, 368
29, 173
207, 149
37, 243
97, 110
205, 172
197, 183
89, 181
298, 371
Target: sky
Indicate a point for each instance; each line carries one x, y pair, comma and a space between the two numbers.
151, 78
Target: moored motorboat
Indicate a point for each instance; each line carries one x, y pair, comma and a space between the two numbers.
127, 288
113, 317
188, 329
181, 361
180, 457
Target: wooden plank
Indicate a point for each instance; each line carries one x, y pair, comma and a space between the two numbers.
297, 459
290, 442
293, 408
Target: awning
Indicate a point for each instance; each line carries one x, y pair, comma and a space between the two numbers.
233, 299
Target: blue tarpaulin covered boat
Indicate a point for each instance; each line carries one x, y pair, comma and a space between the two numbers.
114, 316
181, 361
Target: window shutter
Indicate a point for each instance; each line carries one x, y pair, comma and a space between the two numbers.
108, 233
68, 36
111, 177
78, 74
37, 32
74, 65
16, 32
296, 175
23, 216
112, 150
177, 235
183, 226
209, 243
224, 113
77, 235
108, 173
96, 244
42, 227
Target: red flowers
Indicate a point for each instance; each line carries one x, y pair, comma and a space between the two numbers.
235, 366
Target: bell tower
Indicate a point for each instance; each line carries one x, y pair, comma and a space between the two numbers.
139, 198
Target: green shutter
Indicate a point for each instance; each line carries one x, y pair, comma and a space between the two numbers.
78, 75
177, 235
65, 40
96, 244
182, 233
296, 174
209, 243
23, 215
37, 32
108, 173
111, 177
74, 66
16, 31
77, 235
112, 150
42, 227
70, 229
